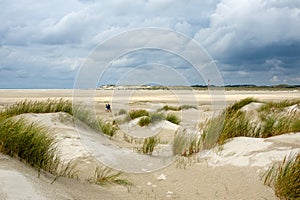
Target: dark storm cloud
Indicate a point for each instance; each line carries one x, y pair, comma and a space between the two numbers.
247, 39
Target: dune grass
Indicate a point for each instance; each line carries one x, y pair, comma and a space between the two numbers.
153, 118
105, 175
156, 117
271, 106
138, 113
149, 145
144, 121
59, 105
173, 118
30, 143
272, 120
28, 106
285, 178
122, 112
185, 144
107, 128
174, 108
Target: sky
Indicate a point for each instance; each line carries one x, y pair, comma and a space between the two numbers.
45, 44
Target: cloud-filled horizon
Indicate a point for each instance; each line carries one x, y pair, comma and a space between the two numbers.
43, 44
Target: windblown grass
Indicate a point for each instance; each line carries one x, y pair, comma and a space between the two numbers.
107, 128
49, 106
239, 104
86, 116
149, 144
32, 143
173, 118
271, 106
59, 105
173, 108
29, 142
122, 112
153, 118
272, 120
185, 144
285, 178
156, 117
144, 121
138, 113
186, 107
105, 175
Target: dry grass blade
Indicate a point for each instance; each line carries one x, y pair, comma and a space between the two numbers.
149, 144
285, 177
234, 123
104, 175
29, 142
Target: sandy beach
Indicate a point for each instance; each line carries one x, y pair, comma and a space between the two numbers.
230, 172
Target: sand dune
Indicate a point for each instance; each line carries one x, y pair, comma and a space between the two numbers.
230, 172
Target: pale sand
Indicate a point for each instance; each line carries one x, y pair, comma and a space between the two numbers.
231, 173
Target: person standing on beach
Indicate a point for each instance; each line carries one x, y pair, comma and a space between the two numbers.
107, 107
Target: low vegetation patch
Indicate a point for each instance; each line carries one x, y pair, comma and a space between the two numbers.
122, 112
173, 118
105, 175
271, 106
86, 116
107, 128
49, 106
149, 144
234, 123
186, 107
173, 108
186, 144
138, 113
144, 121
30, 143
153, 118
284, 178
156, 117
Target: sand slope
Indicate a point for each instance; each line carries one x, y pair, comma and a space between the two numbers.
230, 172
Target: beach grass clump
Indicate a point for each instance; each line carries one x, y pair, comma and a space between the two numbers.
30, 143
59, 105
186, 107
105, 175
185, 144
107, 128
239, 104
149, 144
280, 105
138, 113
167, 107
173, 118
285, 178
156, 117
233, 122
153, 118
144, 121
29, 106
122, 112
174, 108
86, 116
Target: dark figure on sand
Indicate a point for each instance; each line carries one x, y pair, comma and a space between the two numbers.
107, 107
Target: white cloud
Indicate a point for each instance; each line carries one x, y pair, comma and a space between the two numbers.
53, 38
240, 24
275, 79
